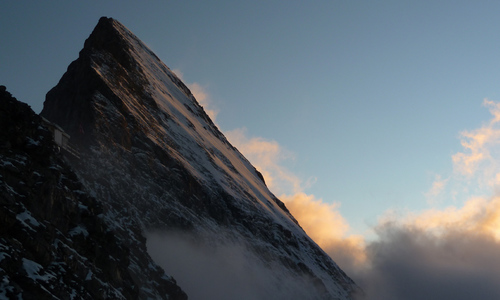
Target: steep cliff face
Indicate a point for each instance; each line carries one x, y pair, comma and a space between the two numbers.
150, 152
54, 241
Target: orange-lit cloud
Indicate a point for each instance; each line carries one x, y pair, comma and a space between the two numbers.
326, 226
478, 215
267, 156
478, 144
321, 221
475, 169
479, 162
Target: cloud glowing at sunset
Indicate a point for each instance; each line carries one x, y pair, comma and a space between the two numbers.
480, 146
326, 226
478, 216
321, 221
268, 157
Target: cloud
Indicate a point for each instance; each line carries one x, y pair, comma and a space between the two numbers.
267, 156
178, 73
412, 263
480, 155
436, 190
206, 267
326, 226
478, 215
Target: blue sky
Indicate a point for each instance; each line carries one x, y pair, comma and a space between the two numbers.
368, 99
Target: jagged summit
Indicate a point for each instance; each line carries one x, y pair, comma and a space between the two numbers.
108, 49
153, 156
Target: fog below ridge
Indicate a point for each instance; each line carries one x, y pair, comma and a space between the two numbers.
208, 269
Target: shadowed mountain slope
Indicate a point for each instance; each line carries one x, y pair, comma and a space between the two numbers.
54, 241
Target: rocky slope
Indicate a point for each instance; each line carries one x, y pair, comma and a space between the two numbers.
150, 152
54, 241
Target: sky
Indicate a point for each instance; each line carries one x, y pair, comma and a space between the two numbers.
375, 121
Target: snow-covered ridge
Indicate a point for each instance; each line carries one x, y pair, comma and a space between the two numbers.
205, 151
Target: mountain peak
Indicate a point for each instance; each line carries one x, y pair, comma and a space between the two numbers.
106, 35
110, 36
118, 66
152, 154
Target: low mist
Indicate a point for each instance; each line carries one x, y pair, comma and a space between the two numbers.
206, 269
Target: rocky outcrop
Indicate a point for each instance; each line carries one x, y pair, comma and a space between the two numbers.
54, 241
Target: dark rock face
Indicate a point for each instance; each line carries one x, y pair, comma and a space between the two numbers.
54, 241
151, 153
